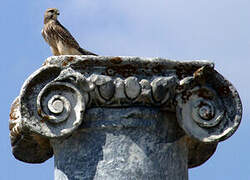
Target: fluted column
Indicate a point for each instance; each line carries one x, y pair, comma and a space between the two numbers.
123, 117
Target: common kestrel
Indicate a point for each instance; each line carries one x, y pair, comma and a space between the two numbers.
58, 37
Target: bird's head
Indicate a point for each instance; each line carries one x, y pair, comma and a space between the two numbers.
51, 13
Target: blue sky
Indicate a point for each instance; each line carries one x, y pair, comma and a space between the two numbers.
175, 29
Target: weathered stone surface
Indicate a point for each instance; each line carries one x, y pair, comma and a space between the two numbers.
162, 87
142, 143
123, 117
27, 146
132, 87
209, 112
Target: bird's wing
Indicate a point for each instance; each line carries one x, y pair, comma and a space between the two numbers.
64, 35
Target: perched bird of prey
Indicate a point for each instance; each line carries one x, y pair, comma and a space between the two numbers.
58, 37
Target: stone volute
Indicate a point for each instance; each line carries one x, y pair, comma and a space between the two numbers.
123, 117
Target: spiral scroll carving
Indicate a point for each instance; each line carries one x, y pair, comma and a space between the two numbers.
60, 103
205, 114
201, 112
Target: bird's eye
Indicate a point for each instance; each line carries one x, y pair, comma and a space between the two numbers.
51, 10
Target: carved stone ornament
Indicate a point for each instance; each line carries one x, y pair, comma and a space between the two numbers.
53, 101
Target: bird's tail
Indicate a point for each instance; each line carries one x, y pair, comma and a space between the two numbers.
85, 52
